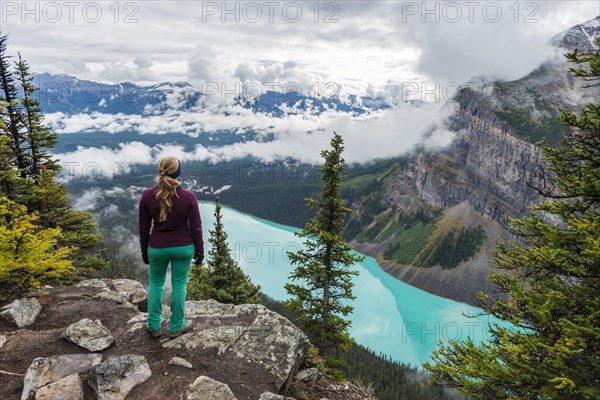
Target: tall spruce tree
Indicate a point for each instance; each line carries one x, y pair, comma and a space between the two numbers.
11, 112
553, 278
323, 272
40, 137
30, 176
9, 176
222, 279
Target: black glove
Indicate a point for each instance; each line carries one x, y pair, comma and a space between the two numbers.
198, 257
145, 256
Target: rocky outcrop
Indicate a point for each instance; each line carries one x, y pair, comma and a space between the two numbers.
132, 290
114, 378
233, 352
47, 370
259, 335
22, 312
90, 335
207, 388
486, 171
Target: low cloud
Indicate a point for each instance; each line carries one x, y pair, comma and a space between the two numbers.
101, 163
300, 137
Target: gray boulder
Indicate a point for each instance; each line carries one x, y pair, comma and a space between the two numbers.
114, 378
22, 312
70, 387
43, 371
274, 342
180, 362
90, 335
3, 340
221, 337
132, 290
205, 388
119, 298
269, 340
95, 283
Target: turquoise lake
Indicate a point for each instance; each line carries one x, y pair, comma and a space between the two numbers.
389, 315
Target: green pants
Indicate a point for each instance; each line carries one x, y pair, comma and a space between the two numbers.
180, 258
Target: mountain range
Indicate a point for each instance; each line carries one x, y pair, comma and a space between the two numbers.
70, 95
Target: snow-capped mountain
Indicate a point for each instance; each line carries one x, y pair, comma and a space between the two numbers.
581, 36
70, 95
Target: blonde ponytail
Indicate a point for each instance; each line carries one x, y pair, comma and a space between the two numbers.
167, 186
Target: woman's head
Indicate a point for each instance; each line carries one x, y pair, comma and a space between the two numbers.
169, 169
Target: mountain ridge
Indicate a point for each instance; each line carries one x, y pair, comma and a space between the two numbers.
70, 95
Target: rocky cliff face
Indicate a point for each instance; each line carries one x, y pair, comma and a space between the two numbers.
90, 342
489, 166
486, 165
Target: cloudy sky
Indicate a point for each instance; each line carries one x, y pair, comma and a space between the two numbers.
362, 44
351, 47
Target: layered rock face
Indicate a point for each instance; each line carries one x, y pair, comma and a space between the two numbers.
489, 164
486, 170
486, 165
90, 342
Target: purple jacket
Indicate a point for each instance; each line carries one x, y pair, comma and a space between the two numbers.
182, 227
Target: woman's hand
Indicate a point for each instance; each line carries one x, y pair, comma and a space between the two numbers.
145, 256
198, 257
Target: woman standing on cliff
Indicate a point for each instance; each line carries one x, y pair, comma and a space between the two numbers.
176, 238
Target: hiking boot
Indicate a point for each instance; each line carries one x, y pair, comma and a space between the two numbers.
154, 332
187, 326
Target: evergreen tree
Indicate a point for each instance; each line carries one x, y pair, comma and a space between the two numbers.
28, 173
222, 279
553, 278
199, 285
10, 110
28, 257
9, 175
323, 268
39, 137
